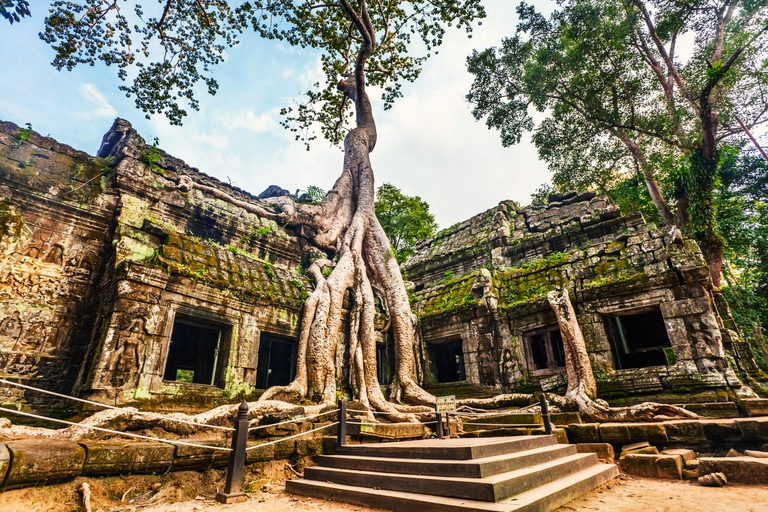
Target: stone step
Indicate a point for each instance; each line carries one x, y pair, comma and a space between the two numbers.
545, 498
475, 468
449, 449
492, 488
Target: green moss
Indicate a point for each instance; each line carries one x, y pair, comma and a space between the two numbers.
612, 279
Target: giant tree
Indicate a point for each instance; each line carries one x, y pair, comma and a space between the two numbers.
360, 45
614, 87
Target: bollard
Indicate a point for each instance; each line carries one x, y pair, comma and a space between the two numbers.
233, 490
439, 427
341, 439
545, 414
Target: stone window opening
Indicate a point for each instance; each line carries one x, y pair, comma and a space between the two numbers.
544, 351
638, 340
194, 354
277, 361
447, 359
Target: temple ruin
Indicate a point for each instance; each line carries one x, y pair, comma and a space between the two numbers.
121, 283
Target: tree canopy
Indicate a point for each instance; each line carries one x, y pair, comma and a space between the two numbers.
621, 101
164, 52
405, 219
14, 10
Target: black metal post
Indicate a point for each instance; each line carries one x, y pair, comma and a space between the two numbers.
439, 428
341, 439
233, 490
447, 427
545, 414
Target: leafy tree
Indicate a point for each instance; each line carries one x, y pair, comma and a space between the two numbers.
315, 193
742, 206
173, 50
405, 219
619, 98
14, 10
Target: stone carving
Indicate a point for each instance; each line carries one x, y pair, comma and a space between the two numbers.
127, 357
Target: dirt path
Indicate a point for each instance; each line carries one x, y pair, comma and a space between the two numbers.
177, 494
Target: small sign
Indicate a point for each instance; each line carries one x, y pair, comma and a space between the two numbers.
445, 404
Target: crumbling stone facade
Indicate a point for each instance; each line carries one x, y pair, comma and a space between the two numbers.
119, 282
483, 283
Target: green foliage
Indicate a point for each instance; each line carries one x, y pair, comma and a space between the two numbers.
262, 231
171, 50
404, 219
619, 113
14, 10
315, 193
153, 157
22, 135
742, 218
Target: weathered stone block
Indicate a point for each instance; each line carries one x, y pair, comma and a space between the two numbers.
614, 433
264, 452
653, 466
754, 406
110, 457
740, 470
681, 452
754, 429
669, 467
584, 432
604, 451
639, 465
684, 431
722, 431
40, 461
5, 461
651, 432
196, 458
684, 307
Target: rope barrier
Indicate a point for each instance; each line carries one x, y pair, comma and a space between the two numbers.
295, 420
291, 437
515, 425
390, 424
149, 414
139, 436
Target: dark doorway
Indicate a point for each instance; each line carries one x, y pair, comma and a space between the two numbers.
277, 361
638, 341
448, 361
544, 351
193, 355
385, 360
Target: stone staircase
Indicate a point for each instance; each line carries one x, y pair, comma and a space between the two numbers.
523, 473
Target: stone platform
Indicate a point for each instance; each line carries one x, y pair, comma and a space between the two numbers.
524, 473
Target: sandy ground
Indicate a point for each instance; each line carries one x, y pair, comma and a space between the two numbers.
179, 493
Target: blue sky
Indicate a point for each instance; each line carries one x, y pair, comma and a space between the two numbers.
429, 144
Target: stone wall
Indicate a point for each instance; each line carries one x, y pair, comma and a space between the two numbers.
100, 255
103, 258
484, 282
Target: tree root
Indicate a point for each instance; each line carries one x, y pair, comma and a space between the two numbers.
130, 419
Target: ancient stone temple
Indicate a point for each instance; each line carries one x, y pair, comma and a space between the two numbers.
122, 282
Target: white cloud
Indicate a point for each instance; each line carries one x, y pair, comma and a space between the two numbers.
258, 123
102, 106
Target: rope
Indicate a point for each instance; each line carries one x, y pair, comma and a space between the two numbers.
295, 420
389, 424
114, 431
517, 425
150, 414
291, 437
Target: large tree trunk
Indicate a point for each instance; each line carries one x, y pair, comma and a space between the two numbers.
346, 222
582, 390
